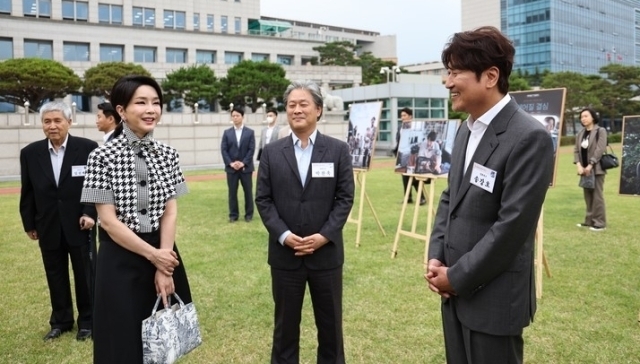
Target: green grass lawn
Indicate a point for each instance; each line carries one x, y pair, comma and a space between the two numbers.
588, 312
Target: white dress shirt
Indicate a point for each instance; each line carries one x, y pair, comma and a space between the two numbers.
479, 127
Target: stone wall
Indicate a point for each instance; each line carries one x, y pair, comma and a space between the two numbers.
198, 143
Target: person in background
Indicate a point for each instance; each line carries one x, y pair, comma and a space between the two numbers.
107, 120
138, 259
481, 247
270, 132
406, 115
304, 195
591, 143
237, 147
52, 171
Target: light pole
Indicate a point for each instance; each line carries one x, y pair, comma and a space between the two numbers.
27, 104
391, 72
73, 112
264, 112
230, 110
195, 109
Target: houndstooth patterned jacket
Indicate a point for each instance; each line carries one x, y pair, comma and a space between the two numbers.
136, 175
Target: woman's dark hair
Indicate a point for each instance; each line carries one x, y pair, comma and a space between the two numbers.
108, 110
124, 89
478, 50
594, 114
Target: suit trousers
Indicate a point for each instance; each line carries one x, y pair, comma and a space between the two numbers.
56, 266
247, 186
594, 198
405, 182
288, 288
465, 346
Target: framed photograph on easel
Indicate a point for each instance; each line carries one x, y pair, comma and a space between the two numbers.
630, 159
363, 131
425, 147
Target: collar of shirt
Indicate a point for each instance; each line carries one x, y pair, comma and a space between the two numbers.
63, 146
133, 139
107, 135
312, 138
488, 116
238, 128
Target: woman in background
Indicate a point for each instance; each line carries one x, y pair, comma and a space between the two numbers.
134, 181
591, 143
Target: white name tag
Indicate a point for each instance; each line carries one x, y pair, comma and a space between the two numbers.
78, 171
322, 170
483, 177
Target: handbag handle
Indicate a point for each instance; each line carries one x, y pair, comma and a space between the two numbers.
155, 307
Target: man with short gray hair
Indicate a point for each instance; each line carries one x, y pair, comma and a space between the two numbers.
52, 173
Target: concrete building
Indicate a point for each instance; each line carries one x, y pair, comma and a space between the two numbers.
563, 35
166, 35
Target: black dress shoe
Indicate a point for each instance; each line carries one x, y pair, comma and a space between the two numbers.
423, 201
233, 219
53, 334
248, 218
83, 334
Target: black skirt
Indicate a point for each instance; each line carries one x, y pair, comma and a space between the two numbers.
124, 296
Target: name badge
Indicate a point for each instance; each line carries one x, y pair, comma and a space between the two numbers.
78, 171
483, 177
322, 170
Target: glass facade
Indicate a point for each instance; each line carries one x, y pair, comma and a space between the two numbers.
144, 54
110, 14
75, 52
6, 48
206, 57
38, 49
75, 10
232, 57
111, 53
176, 55
567, 35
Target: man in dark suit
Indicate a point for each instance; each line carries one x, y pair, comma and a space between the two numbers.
270, 132
304, 196
482, 245
52, 173
238, 145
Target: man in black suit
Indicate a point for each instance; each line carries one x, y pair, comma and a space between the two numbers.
304, 196
52, 173
481, 247
238, 145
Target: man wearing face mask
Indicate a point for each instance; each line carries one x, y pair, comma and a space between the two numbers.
270, 132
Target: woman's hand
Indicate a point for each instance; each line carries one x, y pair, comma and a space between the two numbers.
164, 286
165, 260
587, 170
580, 169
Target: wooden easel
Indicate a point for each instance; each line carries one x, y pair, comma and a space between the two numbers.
540, 257
430, 199
360, 178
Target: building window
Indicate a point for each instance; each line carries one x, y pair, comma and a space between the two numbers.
5, 6
174, 19
196, 21
209, 22
259, 57
285, 60
176, 55
207, 57
40, 8
77, 52
75, 10
144, 54
111, 53
6, 48
110, 14
232, 57
38, 49
223, 24
144, 17
238, 25
83, 102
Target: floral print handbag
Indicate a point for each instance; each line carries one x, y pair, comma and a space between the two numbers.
170, 333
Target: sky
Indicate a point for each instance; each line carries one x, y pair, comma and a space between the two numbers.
421, 27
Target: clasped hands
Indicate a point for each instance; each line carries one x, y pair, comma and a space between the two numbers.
437, 278
165, 261
237, 165
305, 245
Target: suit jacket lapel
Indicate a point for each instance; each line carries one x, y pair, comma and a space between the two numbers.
44, 157
317, 156
290, 156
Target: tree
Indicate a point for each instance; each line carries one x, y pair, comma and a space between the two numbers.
252, 83
340, 53
371, 68
35, 80
518, 83
99, 80
579, 93
190, 85
622, 85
